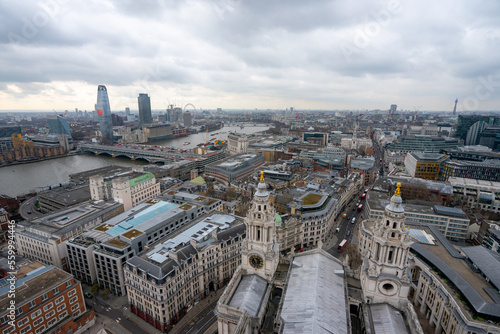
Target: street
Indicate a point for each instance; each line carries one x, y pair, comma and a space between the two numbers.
201, 322
117, 315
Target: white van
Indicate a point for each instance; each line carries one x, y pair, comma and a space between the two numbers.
353, 220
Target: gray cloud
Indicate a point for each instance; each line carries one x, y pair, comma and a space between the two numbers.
245, 54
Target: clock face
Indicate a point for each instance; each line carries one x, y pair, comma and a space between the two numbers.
256, 261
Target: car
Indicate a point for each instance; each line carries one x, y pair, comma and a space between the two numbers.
29, 212
348, 233
345, 215
88, 294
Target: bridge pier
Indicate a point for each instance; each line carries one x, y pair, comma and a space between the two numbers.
113, 155
133, 157
96, 153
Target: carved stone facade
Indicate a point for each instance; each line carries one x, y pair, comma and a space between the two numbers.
385, 276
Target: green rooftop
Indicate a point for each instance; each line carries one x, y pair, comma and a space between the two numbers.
310, 199
140, 179
198, 180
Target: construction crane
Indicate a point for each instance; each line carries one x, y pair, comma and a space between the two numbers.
61, 115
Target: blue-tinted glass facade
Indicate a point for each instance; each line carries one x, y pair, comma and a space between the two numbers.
104, 113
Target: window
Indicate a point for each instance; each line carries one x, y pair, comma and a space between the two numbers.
44, 297
59, 300
25, 330
32, 304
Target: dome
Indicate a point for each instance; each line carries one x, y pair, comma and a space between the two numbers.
278, 219
396, 204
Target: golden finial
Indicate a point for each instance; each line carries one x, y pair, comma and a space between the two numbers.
262, 176
398, 190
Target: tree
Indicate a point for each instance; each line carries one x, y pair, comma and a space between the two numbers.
355, 259
94, 288
106, 292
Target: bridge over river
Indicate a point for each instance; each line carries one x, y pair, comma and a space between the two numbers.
152, 155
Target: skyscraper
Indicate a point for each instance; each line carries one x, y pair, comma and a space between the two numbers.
104, 113
144, 109
58, 125
187, 119
394, 108
455, 108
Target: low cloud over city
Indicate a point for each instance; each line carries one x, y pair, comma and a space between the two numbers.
251, 54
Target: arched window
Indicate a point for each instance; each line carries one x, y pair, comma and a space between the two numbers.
387, 223
265, 207
394, 225
259, 208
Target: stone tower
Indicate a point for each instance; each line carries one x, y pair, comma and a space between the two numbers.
385, 276
260, 251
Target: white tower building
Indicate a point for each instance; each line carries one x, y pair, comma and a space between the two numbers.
385, 275
260, 250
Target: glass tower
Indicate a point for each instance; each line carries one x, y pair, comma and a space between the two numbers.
144, 109
59, 125
104, 113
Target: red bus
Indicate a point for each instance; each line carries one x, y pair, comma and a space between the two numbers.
360, 207
363, 196
342, 245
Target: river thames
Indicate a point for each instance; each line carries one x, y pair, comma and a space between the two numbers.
25, 178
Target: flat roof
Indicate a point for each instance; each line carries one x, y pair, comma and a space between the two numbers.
67, 195
35, 282
427, 156
315, 299
199, 232
487, 261
149, 216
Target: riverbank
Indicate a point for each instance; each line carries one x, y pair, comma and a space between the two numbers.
14, 163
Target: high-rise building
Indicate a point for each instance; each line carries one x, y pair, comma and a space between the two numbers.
187, 119
466, 121
58, 125
455, 108
144, 109
104, 113
394, 108
127, 111
474, 132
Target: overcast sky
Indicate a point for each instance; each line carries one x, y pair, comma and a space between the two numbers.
351, 54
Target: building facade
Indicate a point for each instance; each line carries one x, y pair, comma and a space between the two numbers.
179, 271
235, 168
44, 239
424, 165
484, 195
103, 111
488, 170
48, 300
129, 188
144, 103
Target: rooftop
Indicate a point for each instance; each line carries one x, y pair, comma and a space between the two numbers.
322, 306
249, 294
428, 156
33, 284
67, 195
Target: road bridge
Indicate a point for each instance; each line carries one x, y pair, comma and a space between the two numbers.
151, 155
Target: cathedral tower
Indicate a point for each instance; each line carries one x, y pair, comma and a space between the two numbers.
260, 251
385, 276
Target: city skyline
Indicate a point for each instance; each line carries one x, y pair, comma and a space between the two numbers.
237, 55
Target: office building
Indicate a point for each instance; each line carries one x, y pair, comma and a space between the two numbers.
481, 194
238, 143
144, 109
203, 256
103, 111
99, 255
316, 212
488, 170
6, 144
318, 138
466, 121
364, 166
129, 188
187, 119
63, 197
474, 133
6, 131
426, 144
235, 168
159, 132
452, 222
44, 238
424, 165
58, 125
393, 109
475, 153
48, 300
